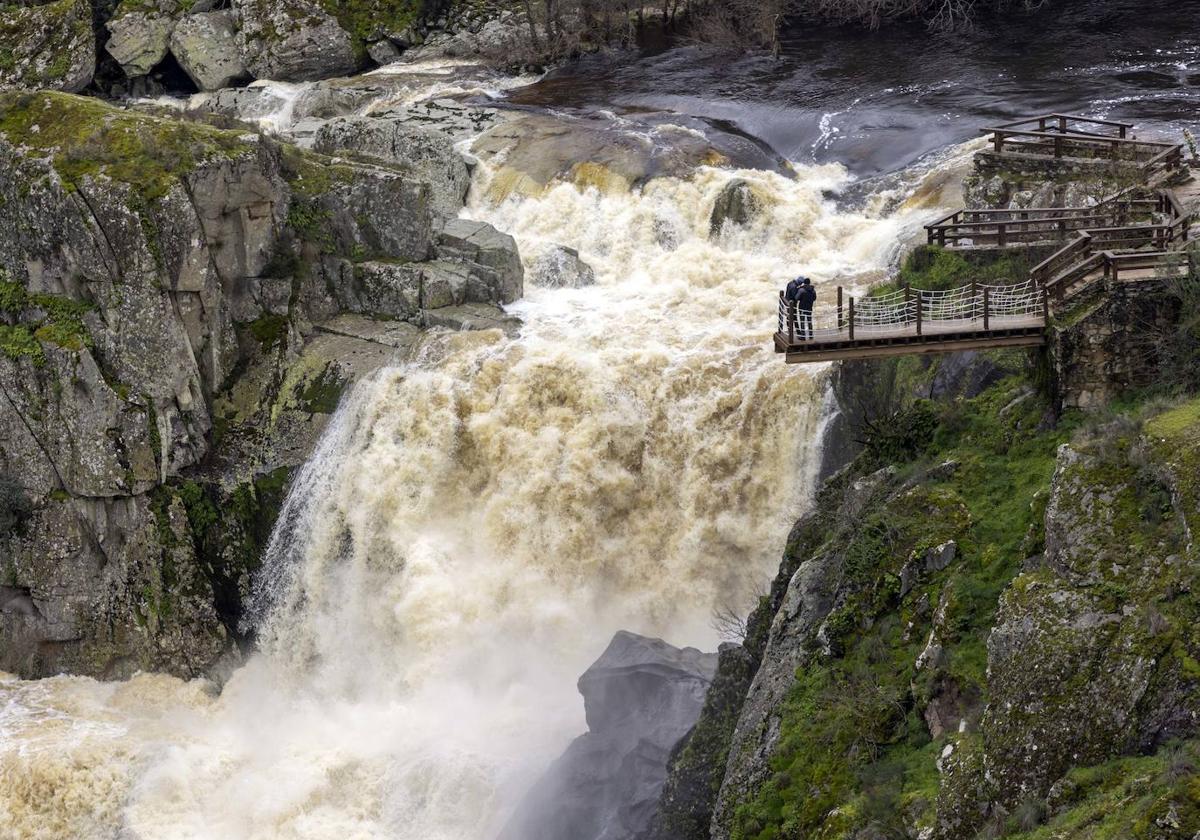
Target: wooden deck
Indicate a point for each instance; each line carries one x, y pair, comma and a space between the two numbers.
934, 338
1136, 235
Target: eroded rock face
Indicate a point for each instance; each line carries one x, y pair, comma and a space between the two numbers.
641, 697
52, 45
495, 273
295, 40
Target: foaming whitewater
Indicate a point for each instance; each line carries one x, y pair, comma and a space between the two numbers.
473, 528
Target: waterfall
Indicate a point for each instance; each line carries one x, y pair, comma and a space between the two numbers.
473, 528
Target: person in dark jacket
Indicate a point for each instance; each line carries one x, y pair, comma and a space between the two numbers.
805, 297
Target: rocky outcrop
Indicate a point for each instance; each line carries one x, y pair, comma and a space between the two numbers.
296, 40
736, 204
429, 153
1118, 337
172, 340
138, 41
641, 697
47, 45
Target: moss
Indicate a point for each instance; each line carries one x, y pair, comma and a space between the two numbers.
270, 331
854, 751
321, 393
1136, 798
88, 138
366, 19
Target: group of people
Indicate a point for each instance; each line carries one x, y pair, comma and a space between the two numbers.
802, 292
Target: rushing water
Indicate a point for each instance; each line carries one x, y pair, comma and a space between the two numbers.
476, 524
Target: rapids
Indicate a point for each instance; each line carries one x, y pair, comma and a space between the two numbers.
477, 523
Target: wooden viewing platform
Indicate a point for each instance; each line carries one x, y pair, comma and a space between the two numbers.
1137, 234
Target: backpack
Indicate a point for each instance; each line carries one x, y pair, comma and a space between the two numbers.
806, 297
793, 289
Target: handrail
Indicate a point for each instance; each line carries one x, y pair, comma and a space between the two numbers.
1042, 118
918, 312
1082, 137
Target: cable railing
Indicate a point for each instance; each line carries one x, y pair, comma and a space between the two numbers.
917, 313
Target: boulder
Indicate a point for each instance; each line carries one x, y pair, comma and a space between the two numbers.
139, 41
50, 46
641, 697
495, 266
429, 153
292, 40
205, 45
390, 289
560, 268
383, 52
736, 204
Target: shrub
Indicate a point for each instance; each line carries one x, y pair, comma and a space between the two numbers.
15, 506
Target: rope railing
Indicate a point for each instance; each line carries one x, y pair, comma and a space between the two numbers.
917, 312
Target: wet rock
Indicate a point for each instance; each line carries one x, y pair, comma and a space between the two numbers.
472, 316
429, 153
52, 46
641, 697
138, 41
389, 289
737, 204
292, 40
495, 266
561, 268
964, 375
206, 47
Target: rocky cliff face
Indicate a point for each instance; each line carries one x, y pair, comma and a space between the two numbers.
180, 308
984, 633
641, 697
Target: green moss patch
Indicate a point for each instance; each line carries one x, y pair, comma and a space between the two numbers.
88, 138
39, 318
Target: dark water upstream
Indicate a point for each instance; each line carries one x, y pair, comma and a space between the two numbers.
877, 101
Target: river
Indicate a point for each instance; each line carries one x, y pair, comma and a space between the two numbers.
476, 524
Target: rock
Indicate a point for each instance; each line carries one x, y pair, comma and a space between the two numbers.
641, 697
383, 52
292, 40
964, 375
139, 41
472, 316
206, 47
200, 279
560, 267
50, 46
429, 153
388, 289
495, 266
736, 204
698, 762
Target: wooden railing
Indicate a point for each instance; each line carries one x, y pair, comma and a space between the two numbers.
1103, 252
916, 313
1036, 225
1071, 136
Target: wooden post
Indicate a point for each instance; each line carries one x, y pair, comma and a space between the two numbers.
918, 312
1045, 306
974, 294
791, 319
1062, 124
1002, 234
851, 321
1058, 147
986, 325
998, 137
1042, 124
839, 308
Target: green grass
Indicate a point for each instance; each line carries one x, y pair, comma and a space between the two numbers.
854, 749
